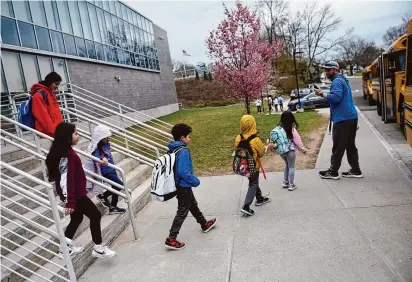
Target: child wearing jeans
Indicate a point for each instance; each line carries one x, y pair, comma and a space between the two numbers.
65, 168
100, 148
248, 128
290, 125
185, 180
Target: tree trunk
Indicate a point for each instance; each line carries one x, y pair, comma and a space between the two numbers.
247, 105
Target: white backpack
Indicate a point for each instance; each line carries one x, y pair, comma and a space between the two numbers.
163, 185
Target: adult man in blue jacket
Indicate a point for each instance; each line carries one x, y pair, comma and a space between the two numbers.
345, 124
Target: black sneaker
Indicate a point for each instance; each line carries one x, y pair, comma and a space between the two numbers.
262, 201
116, 210
247, 210
329, 174
173, 244
103, 200
352, 174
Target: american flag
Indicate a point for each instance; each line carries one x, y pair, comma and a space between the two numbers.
185, 53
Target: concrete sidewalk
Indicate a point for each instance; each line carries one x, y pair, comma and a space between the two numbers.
345, 230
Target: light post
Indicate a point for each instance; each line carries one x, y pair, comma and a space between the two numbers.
296, 73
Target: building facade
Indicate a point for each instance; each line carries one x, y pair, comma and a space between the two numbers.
103, 46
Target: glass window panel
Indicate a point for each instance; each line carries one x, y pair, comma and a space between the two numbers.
134, 15
112, 7
13, 72
108, 53
99, 4
91, 1
137, 60
91, 51
151, 27
9, 33
127, 58
37, 12
81, 47
106, 5
115, 55
23, 10
30, 69
70, 46
123, 34
124, 12
87, 29
75, 17
142, 61
102, 25
3, 82
7, 9
119, 9
132, 59
129, 16
65, 22
99, 52
131, 37
121, 56
110, 35
45, 66
51, 15
116, 31
57, 40
27, 35
60, 67
43, 38
94, 22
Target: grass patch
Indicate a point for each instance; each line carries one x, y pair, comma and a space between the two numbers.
215, 129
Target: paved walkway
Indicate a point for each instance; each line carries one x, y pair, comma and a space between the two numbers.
346, 230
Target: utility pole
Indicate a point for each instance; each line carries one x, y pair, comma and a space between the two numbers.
296, 74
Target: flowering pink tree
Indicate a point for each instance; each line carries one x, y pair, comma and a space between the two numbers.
242, 62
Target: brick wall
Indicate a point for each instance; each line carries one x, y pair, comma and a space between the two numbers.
138, 89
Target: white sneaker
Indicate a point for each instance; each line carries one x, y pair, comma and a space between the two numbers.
73, 250
102, 251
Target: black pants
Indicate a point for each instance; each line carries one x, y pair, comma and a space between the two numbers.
259, 109
281, 106
113, 177
185, 202
85, 206
344, 135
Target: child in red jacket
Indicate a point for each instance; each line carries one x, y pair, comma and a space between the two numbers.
65, 168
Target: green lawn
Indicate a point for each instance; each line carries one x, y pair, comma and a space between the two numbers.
215, 129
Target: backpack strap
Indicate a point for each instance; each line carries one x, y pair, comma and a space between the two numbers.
44, 95
178, 149
251, 137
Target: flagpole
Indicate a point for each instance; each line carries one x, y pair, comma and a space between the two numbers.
184, 68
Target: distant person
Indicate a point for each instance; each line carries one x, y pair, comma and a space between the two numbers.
258, 104
270, 102
45, 107
280, 99
345, 124
276, 103
249, 135
65, 168
287, 139
185, 179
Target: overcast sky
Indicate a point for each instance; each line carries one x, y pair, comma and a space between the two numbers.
188, 23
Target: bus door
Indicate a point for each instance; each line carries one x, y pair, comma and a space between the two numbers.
389, 94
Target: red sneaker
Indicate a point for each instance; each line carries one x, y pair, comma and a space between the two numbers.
209, 224
173, 244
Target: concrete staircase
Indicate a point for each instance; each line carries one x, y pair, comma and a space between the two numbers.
23, 252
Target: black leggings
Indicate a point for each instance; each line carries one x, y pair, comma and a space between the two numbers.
85, 206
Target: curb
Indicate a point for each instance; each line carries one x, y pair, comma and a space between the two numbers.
401, 165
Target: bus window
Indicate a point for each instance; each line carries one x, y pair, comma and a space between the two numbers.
401, 58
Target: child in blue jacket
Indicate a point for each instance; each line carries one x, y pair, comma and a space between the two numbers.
100, 148
185, 180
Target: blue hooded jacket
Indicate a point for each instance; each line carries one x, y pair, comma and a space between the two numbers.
105, 153
340, 100
184, 175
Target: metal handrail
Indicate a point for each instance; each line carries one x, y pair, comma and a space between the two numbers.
126, 194
58, 234
167, 125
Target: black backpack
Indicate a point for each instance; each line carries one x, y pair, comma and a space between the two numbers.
244, 163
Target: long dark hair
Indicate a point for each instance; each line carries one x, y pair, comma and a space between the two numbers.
51, 78
287, 121
59, 148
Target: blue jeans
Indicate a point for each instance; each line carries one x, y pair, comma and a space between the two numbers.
289, 173
113, 177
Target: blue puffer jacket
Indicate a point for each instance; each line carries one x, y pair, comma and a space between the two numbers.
340, 100
184, 175
105, 153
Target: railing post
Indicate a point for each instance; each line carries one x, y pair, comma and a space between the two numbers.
42, 162
128, 200
126, 141
90, 127
15, 111
66, 107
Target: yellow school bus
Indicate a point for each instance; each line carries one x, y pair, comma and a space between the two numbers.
367, 83
407, 105
375, 82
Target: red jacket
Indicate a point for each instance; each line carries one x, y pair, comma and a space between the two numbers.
46, 115
71, 180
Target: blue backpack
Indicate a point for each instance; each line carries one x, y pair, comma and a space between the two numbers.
25, 110
280, 140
